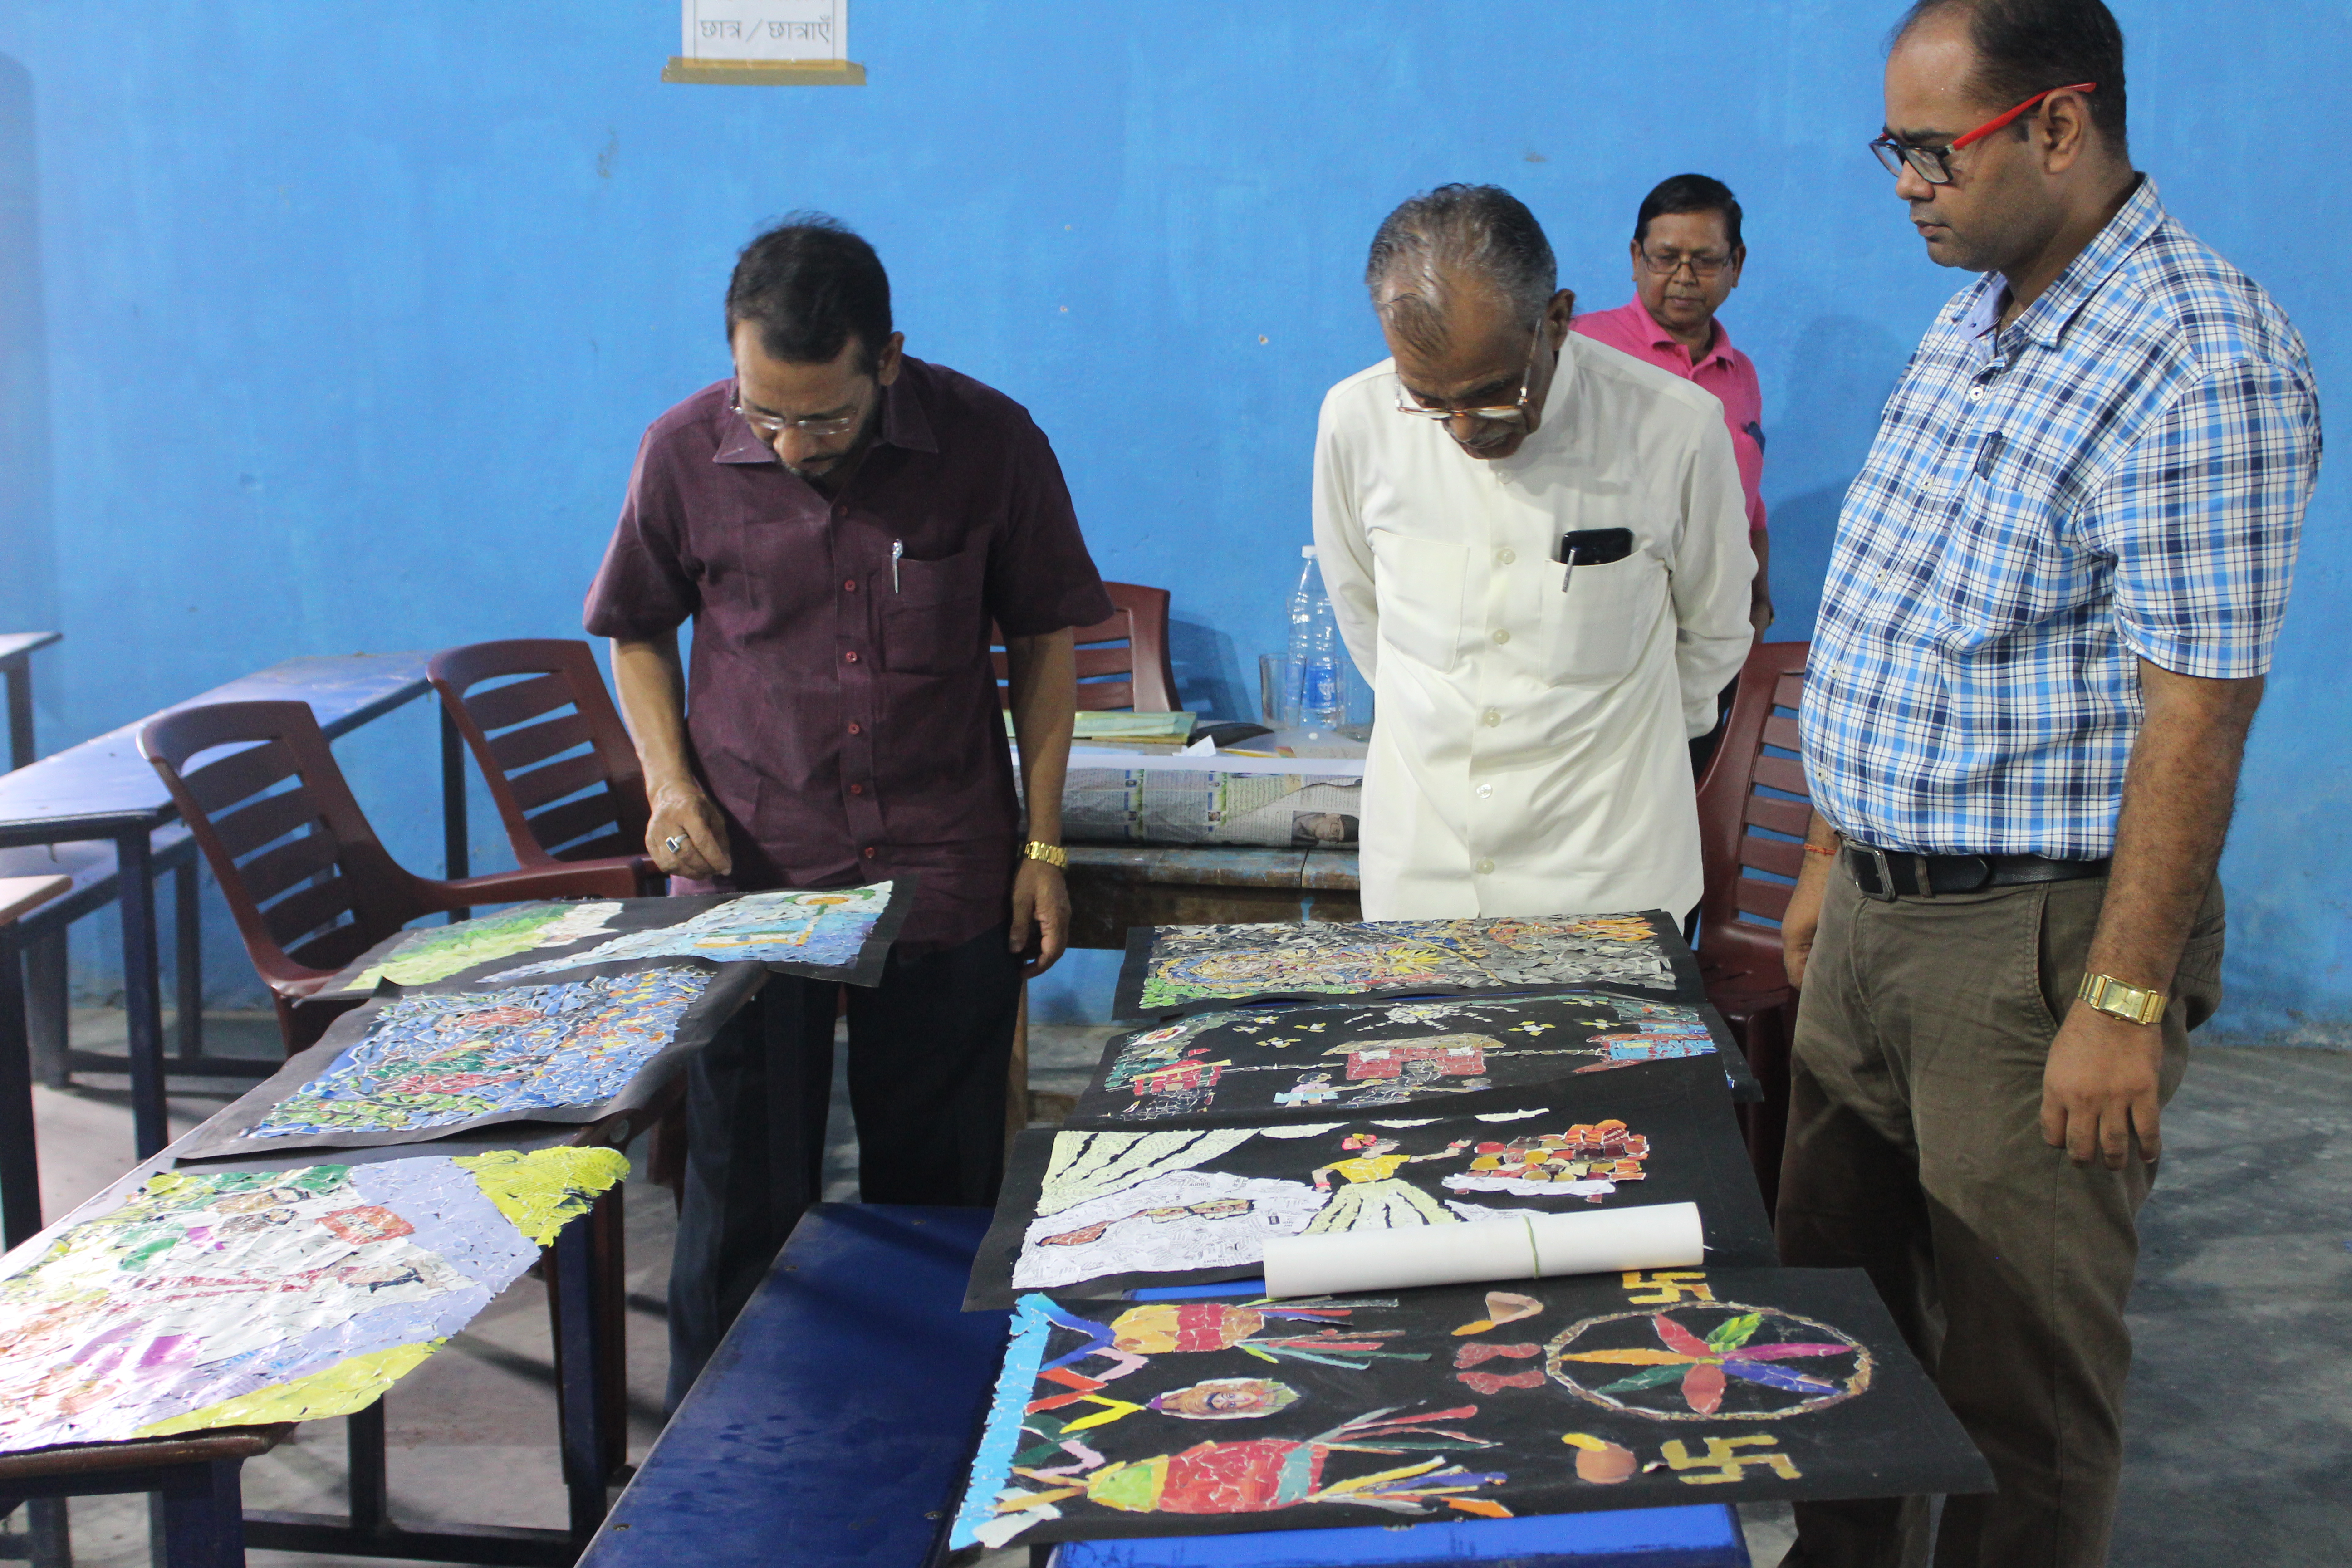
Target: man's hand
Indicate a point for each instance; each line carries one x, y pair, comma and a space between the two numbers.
1041, 913
2100, 1086
683, 811
1803, 918
1760, 611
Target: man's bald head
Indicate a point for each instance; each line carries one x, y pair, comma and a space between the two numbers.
1439, 250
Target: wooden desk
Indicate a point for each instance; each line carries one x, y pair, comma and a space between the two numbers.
16, 665
104, 790
1114, 887
196, 1476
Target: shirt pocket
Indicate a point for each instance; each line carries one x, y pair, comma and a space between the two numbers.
1421, 584
1594, 633
933, 623
2004, 565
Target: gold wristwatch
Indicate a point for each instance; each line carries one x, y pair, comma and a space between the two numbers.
1051, 854
2132, 1003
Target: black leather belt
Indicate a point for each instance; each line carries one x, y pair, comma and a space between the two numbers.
1888, 874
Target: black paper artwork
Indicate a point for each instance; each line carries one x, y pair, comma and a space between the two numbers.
1314, 1061
1607, 1391
1180, 968
1098, 1211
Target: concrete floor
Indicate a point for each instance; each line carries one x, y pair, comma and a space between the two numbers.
2240, 1422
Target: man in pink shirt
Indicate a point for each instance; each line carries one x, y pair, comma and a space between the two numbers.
1686, 257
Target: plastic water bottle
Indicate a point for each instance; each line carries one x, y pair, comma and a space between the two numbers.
1316, 651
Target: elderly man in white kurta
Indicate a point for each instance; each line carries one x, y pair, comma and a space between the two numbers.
1530, 752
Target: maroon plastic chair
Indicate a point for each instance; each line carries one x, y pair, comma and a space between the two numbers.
1123, 661
1755, 780
310, 885
553, 751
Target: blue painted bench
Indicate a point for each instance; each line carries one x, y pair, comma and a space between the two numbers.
834, 1426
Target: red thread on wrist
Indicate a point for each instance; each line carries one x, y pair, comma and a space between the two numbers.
1817, 849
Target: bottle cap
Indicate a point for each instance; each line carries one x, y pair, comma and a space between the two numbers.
1307, 553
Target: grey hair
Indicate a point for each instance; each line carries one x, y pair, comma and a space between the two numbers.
1482, 232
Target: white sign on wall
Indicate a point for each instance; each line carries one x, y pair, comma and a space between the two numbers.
781, 30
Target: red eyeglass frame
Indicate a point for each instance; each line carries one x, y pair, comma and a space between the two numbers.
1904, 152
1989, 126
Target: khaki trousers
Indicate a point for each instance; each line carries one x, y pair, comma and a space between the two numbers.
1914, 1152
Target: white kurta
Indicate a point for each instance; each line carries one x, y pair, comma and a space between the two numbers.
1530, 755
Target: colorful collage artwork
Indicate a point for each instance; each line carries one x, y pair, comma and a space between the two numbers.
1347, 1057
435, 953
1101, 1212
224, 1298
433, 1062
1171, 969
1638, 1390
840, 933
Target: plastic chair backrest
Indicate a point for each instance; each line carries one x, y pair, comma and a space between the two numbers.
1755, 780
552, 747
1123, 661
309, 883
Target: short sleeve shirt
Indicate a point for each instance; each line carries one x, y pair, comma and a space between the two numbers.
2119, 474
841, 703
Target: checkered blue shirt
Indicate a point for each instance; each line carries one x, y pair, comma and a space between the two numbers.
2121, 474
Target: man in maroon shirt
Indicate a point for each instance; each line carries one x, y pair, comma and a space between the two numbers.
844, 524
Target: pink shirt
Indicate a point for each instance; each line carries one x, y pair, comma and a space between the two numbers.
1722, 370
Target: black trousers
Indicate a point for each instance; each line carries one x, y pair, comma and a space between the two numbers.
928, 1052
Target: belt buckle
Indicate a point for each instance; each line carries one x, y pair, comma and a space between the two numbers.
1885, 895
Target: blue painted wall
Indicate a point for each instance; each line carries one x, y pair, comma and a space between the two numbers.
335, 326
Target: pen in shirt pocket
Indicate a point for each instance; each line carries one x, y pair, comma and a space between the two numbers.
897, 549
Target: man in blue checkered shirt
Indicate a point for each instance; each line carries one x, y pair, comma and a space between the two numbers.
2056, 585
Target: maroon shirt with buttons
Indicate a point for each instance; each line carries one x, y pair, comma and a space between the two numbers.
844, 713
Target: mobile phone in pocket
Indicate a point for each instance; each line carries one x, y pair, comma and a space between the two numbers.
1591, 547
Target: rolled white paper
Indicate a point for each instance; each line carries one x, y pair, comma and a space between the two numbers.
1532, 1246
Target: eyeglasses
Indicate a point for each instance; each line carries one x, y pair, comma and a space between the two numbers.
1517, 411
1701, 266
768, 428
1934, 164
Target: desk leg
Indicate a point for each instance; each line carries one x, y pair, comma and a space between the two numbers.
581, 1394
48, 1534
204, 1516
142, 1000
370, 1481
45, 1014
21, 750
455, 859
188, 958
20, 1164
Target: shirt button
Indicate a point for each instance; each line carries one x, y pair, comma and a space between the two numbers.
858, 789
1485, 792
1505, 557
857, 728
850, 586
1501, 636
851, 656
1486, 867
1491, 717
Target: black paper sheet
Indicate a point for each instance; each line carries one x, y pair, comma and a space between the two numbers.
1100, 1212
1312, 1061
1171, 969
1641, 1390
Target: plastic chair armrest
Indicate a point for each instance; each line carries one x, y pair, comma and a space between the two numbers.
614, 878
